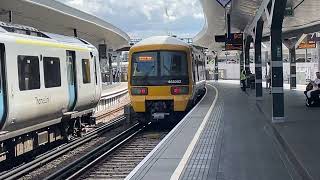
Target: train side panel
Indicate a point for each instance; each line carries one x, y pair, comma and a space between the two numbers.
37, 92
38, 105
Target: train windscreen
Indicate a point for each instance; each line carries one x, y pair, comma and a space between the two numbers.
159, 68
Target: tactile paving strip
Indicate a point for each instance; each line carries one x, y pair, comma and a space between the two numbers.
199, 163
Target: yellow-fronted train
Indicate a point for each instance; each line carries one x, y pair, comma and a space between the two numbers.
165, 77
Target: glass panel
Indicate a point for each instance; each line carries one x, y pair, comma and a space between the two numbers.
1, 60
155, 68
28, 72
144, 64
70, 70
95, 69
52, 72
173, 64
86, 71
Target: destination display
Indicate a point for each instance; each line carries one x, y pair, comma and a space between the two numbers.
145, 58
308, 43
234, 42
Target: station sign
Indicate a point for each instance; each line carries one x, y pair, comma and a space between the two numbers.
234, 42
308, 43
220, 38
103, 51
223, 3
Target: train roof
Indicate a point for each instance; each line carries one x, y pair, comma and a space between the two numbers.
27, 31
158, 40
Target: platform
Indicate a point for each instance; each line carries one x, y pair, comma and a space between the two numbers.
108, 89
238, 141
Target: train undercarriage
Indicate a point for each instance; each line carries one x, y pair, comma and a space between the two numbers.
160, 110
24, 146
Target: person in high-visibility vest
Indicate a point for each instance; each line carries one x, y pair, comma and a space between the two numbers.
243, 78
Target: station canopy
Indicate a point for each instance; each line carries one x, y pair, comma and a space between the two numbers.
55, 17
305, 19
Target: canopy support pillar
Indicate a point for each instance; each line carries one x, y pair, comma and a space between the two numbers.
257, 58
277, 61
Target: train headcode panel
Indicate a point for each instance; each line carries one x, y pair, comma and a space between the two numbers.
146, 58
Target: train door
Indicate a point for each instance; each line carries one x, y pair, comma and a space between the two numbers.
96, 78
193, 69
2, 85
72, 79
197, 62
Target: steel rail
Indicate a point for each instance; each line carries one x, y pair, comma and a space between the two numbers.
43, 159
81, 165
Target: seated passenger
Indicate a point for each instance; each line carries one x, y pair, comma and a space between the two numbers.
313, 90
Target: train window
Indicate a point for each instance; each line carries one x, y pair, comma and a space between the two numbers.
28, 72
1, 60
52, 72
198, 76
95, 69
71, 56
173, 63
86, 71
144, 64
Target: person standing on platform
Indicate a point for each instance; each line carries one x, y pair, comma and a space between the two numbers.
243, 79
268, 78
313, 90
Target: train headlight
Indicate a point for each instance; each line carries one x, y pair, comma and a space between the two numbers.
139, 91
179, 90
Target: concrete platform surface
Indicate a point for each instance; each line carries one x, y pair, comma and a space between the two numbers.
238, 142
300, 133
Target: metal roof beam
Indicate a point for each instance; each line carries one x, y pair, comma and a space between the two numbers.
263, 9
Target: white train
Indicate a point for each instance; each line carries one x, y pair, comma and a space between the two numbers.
50, 85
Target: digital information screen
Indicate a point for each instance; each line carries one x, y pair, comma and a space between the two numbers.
234, 42
308, 43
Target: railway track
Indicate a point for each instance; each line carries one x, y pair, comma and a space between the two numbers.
59, 151
113, 158
77, 167
120, 163
117, 158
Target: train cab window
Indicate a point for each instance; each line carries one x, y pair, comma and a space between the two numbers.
145, 64
86, 71
52, 72
173, 63
28, 72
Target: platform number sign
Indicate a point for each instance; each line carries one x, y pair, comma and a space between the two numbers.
223, 3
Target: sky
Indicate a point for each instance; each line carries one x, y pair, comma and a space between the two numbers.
145, 18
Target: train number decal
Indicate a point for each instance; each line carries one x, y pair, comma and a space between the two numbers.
174, 81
